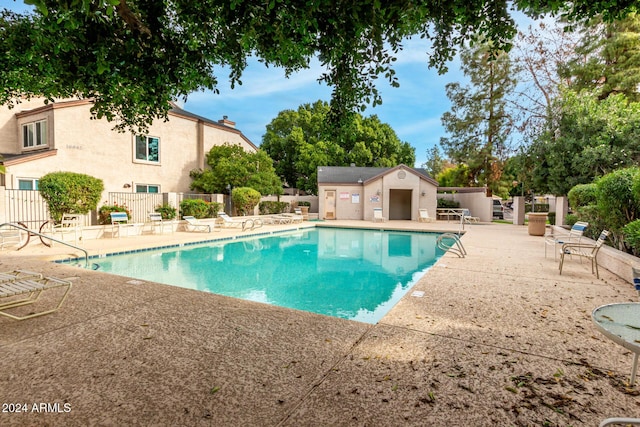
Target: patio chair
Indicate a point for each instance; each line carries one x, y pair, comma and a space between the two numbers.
120, 220
424, 216
584, 250
377, 215
69, 224
13, 291
194, 225
157, 223
574, 236
635, 271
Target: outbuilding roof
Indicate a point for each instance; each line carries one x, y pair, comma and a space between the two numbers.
359, 175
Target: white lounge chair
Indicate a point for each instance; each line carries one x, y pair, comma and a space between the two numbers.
424, 216
194, 225
245, 224
574, 236
466, 217
377, 215
585, 250
24, 283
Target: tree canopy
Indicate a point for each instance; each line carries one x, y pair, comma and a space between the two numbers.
592, 138
231, 165
300, 141
134, 56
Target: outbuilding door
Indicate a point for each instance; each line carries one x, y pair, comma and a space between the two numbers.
330, 204
400, 204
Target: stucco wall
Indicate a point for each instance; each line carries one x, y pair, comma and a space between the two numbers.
92, 147
479, 204
378, 192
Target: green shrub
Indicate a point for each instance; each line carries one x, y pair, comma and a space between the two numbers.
571, 219
194, 207
166, 210
245, 199
214, 208
273, 207
104, 212
582, 195
446, 203
70, 192
551, 216
631, 233
304, 203
616, 200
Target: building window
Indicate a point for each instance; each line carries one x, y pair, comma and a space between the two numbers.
27, 184
147, 188
147, 149
34, 134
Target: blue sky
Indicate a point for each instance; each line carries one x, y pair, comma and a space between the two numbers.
413, 110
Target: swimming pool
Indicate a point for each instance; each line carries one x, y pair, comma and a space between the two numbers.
349, 273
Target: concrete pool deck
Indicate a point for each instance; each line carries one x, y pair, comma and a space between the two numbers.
497, 338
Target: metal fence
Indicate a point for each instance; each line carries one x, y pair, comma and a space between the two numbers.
25, 206
140, 205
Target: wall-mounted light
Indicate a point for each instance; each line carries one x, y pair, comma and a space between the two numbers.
423, 194
126, 185
378, 193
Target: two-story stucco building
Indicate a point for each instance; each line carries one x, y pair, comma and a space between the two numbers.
36, 139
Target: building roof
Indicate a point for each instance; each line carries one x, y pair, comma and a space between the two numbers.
359, 175
10, 159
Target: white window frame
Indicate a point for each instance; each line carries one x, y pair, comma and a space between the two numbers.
146, 187
147, 139
34, 183
34, 135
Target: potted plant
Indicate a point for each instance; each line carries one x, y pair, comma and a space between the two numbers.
304, 208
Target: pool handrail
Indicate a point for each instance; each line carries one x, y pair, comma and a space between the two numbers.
86, 254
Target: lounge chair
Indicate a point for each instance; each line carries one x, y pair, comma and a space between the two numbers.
424, 216
619, 421
25, 283
295, 217
245, 224
585, 250
194, 225
574, 236
466, 217
377, 215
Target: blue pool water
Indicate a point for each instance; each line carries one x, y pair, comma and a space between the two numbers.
348, 273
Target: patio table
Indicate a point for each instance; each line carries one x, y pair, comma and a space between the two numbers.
450, 212
620, 322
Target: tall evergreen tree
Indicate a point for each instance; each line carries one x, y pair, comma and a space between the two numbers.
479, 122
607, 59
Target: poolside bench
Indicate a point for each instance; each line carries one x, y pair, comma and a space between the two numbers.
120, 221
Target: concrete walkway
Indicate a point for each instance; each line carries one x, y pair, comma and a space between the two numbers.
499, 338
